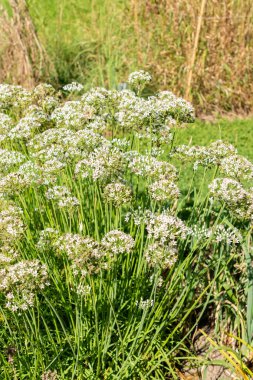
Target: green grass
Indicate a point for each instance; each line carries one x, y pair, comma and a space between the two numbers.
85, 39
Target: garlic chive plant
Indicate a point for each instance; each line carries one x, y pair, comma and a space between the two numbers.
107, 267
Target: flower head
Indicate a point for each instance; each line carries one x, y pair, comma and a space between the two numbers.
116, 242
117, 193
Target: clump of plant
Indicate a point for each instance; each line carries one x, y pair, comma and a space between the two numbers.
106, 268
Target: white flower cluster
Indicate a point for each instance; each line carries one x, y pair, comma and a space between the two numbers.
49, 103
117, 193
63, 196
86, 255
57, 192
14, 97
216, 234
238, 200
116, 242
228, 235
134, 112
205, 156
64, 145
161, 255
27, 175
20, 282
153, 116
148, 166
122, 144
6, 124
83, 290
51, 137
201, 233
178, 108
139, 79
166, 228
8, 254
164, 190
97, 124
97, 98
164, 232
11, 223
9, 158
11, 231
73, 114
52, 166
25, 128
104, 163
73, 87
139, 216
236, 166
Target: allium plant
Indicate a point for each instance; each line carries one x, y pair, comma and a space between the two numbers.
117, 242
107, 266
117, 193
138, 80
72, 87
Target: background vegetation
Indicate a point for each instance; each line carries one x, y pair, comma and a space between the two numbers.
98, 42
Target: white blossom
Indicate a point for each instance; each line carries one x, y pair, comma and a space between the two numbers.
74, 86
117, 242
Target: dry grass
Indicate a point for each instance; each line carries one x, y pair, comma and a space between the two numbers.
23, 58
222, 72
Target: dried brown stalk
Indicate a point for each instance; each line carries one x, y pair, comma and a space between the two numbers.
23, 59
195, 48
